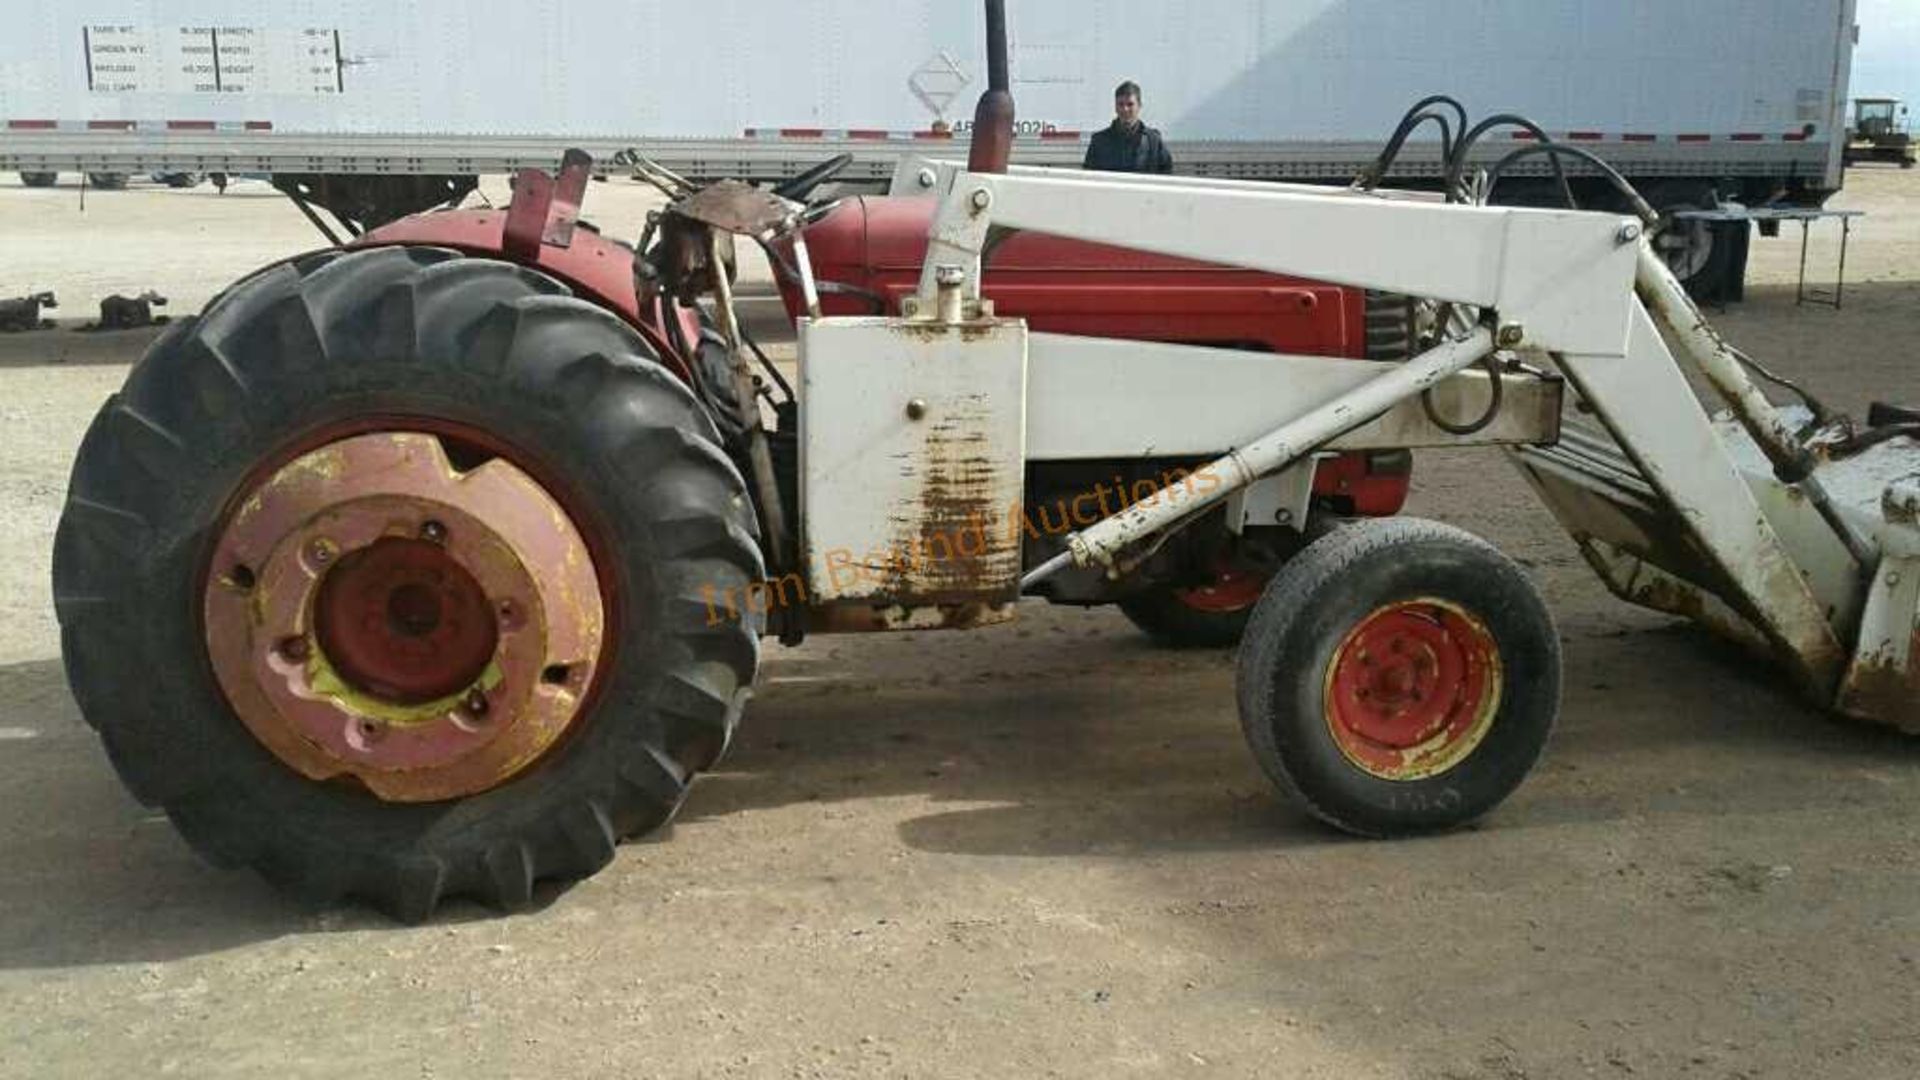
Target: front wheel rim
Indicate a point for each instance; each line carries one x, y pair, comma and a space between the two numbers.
1413, 688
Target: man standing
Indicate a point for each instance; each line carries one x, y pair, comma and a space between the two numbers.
1127, 145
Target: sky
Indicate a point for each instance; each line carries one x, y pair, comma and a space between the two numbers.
1887, 63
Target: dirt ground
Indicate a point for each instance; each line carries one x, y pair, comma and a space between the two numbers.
1036, 850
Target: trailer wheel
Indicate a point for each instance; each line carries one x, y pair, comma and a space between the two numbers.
39, 179
108, 181
390, 576
1708, 258
1399, 677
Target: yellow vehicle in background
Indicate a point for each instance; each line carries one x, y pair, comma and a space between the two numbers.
1880, 132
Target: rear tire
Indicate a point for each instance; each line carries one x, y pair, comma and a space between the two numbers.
1445, 716
399, 335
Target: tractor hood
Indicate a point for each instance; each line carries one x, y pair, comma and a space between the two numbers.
868, 253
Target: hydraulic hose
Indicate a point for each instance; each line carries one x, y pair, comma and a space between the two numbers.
1641, 207
1457, 164
1412, 119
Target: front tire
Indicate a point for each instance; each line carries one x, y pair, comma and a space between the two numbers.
506, 372
1399, 677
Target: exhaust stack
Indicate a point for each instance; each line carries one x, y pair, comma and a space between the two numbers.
992, 143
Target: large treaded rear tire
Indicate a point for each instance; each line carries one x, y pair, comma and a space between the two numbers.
1314, 611
406, 332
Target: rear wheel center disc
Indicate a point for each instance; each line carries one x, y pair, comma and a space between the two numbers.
402, 620
374, 613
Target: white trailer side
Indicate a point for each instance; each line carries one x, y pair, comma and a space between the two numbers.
1303, 89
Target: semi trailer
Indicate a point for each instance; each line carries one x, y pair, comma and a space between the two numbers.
375, 110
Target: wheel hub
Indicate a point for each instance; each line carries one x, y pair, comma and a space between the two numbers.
1412, 689
374, 613
404, 621
1685, 245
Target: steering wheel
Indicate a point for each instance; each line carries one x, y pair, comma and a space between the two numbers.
801, 186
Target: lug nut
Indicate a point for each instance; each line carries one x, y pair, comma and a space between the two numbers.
369, 731
294, 648
475, 703
433, 532
321, 552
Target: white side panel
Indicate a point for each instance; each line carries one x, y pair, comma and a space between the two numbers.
912, 460
1281, 499
1100, 398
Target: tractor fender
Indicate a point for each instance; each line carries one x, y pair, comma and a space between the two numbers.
598, 270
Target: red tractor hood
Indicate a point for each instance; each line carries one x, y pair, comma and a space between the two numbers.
876, 245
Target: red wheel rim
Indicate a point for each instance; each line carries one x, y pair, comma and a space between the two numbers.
1233, 588
1413, 688
374, 612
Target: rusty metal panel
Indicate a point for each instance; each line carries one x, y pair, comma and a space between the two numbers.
912, 458
1883, 679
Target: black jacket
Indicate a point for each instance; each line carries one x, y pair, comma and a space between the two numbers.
1114, 149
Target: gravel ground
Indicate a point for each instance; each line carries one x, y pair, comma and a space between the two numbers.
1039, 849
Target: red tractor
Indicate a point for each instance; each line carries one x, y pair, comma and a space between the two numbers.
438, 563
412, 542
